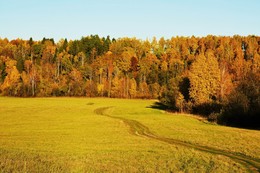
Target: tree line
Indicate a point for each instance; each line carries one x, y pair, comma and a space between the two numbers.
215, 76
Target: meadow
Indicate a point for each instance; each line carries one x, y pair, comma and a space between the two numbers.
117, 135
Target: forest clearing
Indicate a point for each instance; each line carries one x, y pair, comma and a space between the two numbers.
161, 86
117, 135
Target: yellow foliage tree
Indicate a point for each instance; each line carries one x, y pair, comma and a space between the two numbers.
204, 79
132, 89
12, 82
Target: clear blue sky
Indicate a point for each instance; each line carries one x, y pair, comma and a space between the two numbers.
143, 19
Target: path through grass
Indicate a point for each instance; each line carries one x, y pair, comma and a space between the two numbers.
67, 135
136, 128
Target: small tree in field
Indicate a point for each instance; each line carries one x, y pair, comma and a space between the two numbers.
180, 102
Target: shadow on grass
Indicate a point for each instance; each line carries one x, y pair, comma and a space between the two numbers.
90, 103
159, 106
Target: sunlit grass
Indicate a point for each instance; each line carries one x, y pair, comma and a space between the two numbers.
192, 130
65, 135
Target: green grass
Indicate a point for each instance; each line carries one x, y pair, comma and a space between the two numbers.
70, 135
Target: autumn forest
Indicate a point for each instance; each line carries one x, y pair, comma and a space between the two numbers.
214, 76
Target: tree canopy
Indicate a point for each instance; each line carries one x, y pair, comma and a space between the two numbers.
214, 73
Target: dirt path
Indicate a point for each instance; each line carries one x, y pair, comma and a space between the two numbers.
136, 128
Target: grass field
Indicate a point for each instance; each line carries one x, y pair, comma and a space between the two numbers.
114, 135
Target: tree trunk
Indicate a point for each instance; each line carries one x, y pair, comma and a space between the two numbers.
127, 85
109, 85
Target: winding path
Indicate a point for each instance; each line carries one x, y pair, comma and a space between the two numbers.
136, 128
